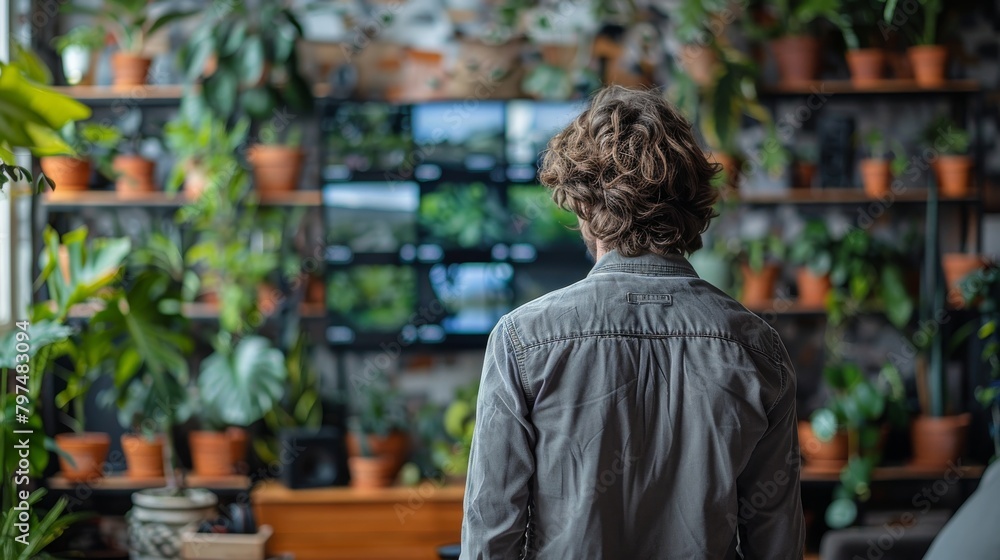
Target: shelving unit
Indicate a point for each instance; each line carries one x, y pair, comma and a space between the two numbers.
71, 201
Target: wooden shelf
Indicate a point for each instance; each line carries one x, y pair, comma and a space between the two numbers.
69, 200
787, 307
273, 492
883, 87
898, 472
830, 195
198, 311
124, 483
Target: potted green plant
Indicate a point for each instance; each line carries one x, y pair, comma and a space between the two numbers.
878, 169
203, 147
813, 251
78, 273
245, 57
718, 110
982, 292
953, 165
927, 57
696, 25
299, 408
861, 24
377, 442
563, 45
72, 172
32, 119
133, 172
235, 389
857, 409
806, 156
459, 421
277, 161
760, 265
938, 435
795, 48
132, 23
77, 48
152, 345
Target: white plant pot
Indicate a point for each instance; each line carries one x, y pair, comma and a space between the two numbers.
157, 518
76, 64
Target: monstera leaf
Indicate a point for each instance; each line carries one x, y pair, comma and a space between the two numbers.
239, 386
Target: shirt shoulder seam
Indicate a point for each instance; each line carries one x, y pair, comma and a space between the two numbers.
510, 330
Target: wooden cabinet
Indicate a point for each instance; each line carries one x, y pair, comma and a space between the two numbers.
382, 524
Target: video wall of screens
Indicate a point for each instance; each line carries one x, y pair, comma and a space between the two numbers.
435, 223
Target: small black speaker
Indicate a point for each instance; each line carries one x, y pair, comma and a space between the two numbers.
836, 151
313, 458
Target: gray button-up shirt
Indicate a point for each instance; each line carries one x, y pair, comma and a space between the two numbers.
638, 413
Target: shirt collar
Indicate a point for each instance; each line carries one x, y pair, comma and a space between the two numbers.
649, 264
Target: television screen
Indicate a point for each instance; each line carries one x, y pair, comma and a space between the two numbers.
530, 125
535, 218
462, 215
371, 298
473, 295
363, 137
459, 134
371, 217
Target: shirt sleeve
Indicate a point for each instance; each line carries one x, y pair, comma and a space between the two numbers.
770, 515
501, 462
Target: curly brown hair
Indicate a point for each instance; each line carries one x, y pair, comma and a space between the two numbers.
629, 167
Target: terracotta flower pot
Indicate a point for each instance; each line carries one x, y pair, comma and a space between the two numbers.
315, 289
134, 176
195, 182
276, 169
953, 174
144, 457
237, 446
827, 455
386, 457
804, 173
700, 63
928, 62
372, 472
70, 174
813, 288
867, 66
129, 69
938, 442
424, 75
797, 58
730, 167
88, 450
956, 267
211, 453
876, 176
758, 287
559, 54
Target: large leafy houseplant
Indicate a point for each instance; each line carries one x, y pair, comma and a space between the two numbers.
244, 55
152, 345
28, 353
861, 407
867, 275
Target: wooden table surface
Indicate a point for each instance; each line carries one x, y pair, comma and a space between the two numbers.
398, 523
